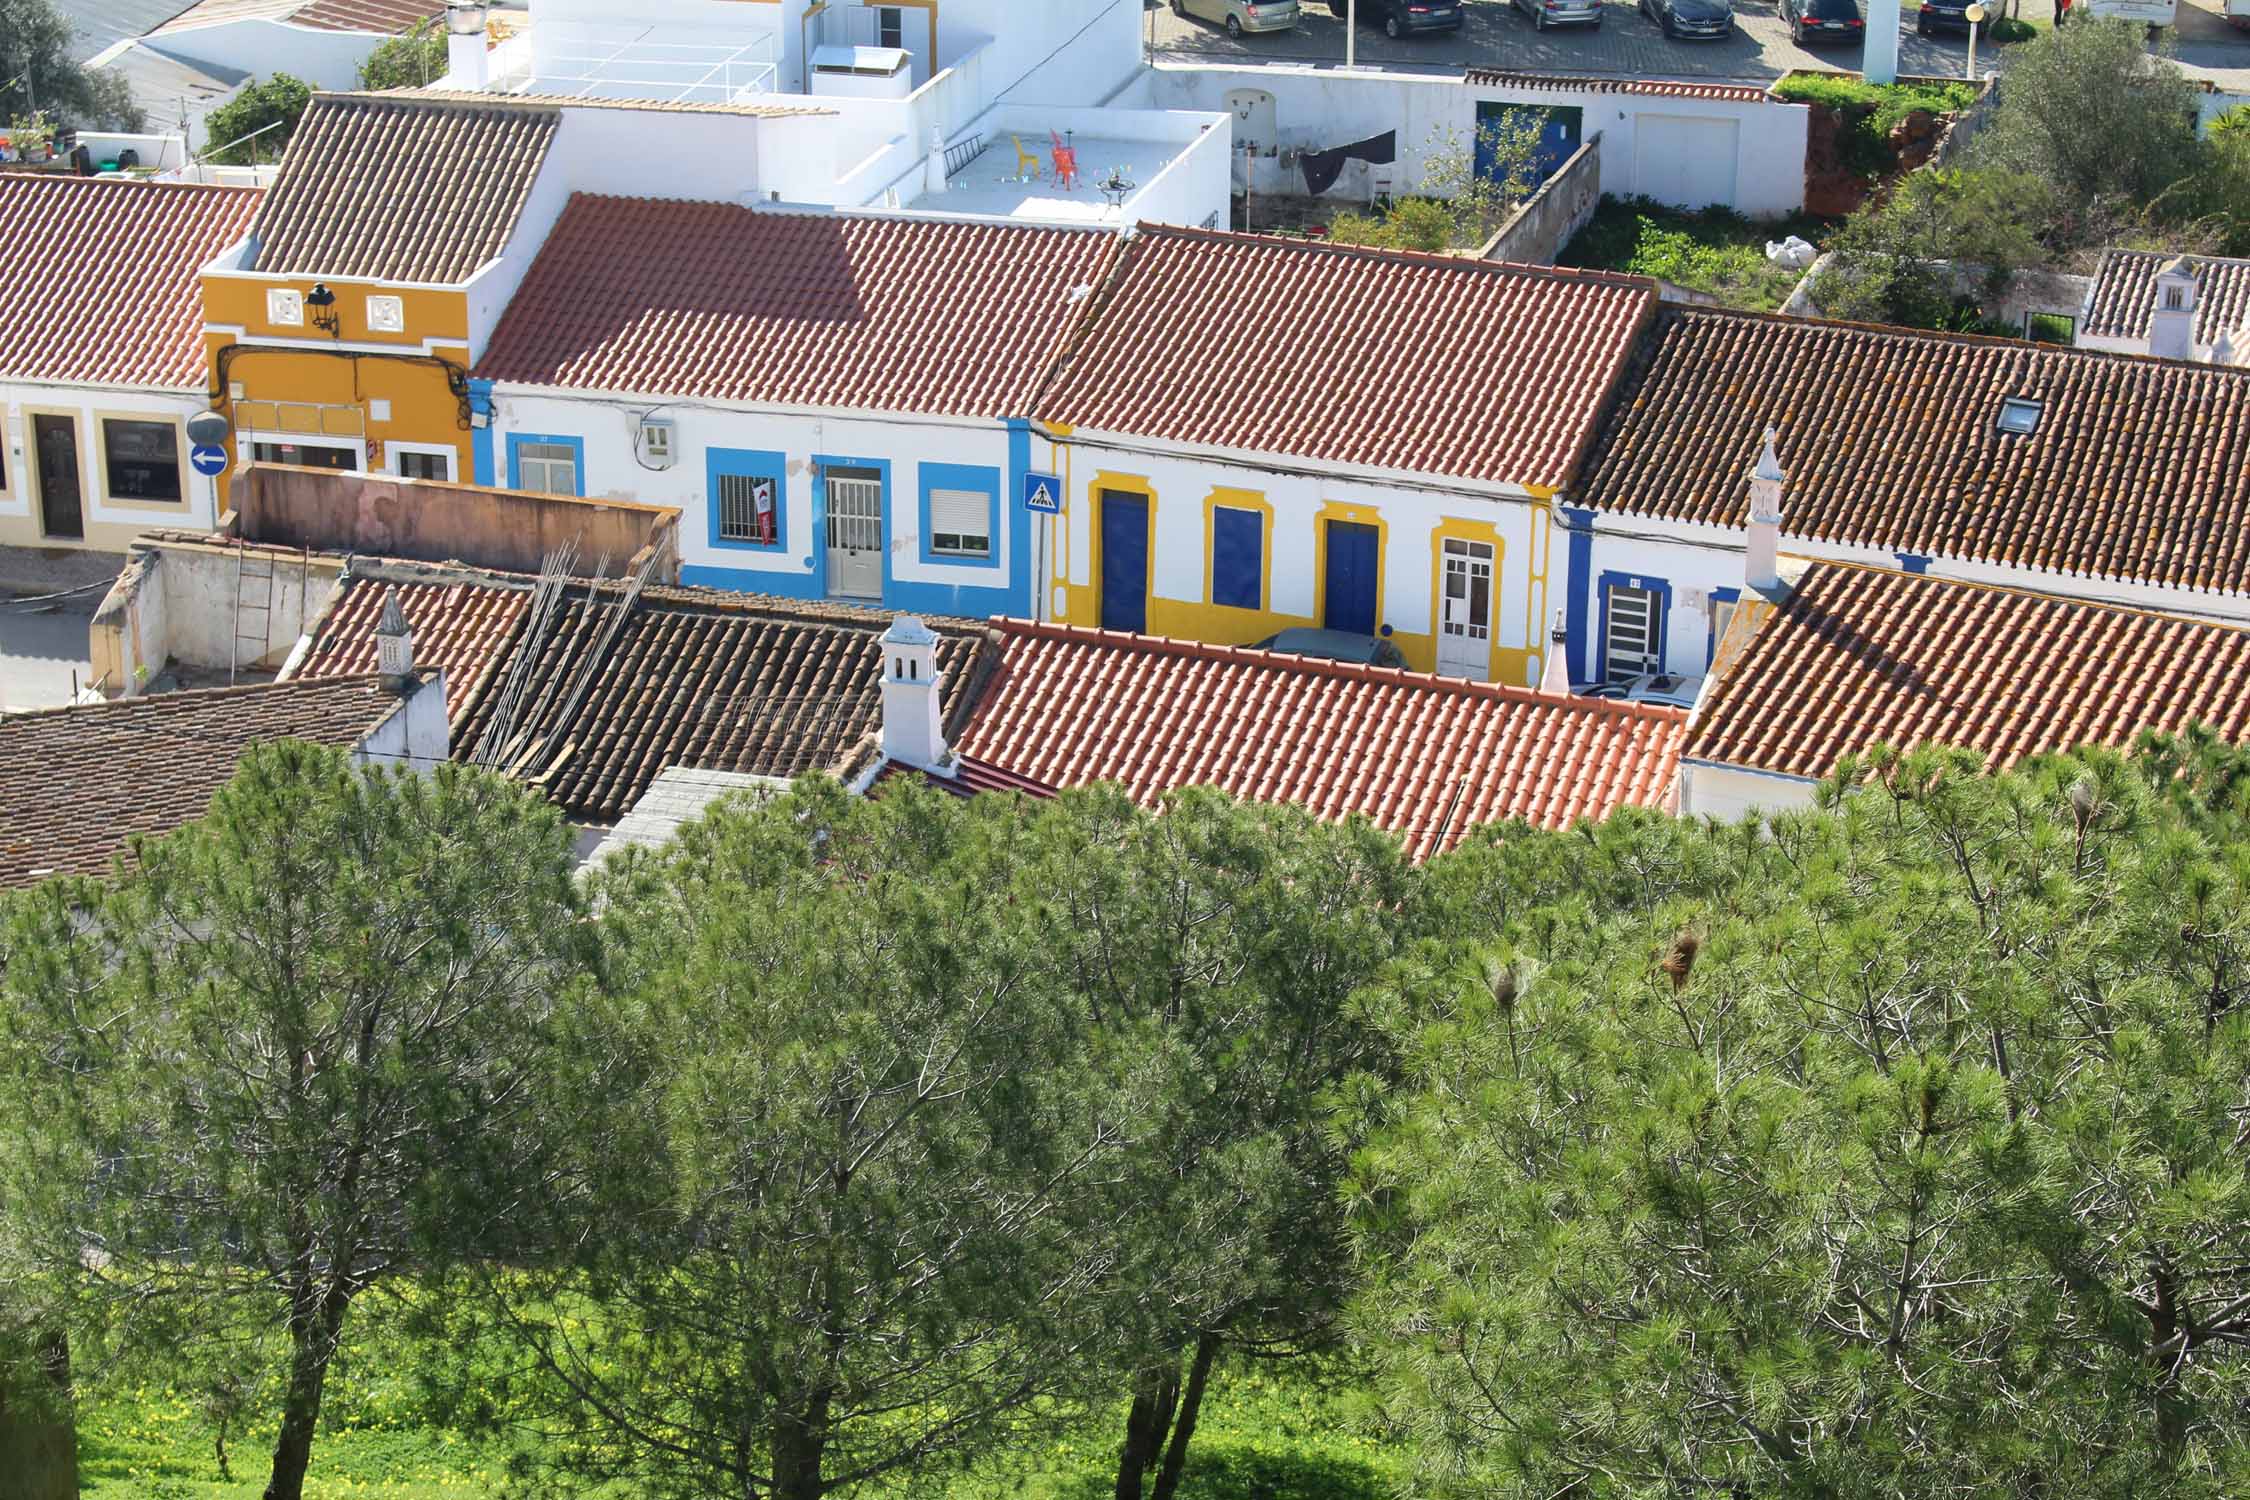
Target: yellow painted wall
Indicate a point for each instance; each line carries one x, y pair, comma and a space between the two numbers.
1201, 620
311, 370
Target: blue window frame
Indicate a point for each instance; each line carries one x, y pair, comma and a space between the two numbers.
1238, 557
955, 529
1728, 598
544, 463
738, 482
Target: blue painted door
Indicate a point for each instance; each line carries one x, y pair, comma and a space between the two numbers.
1560, 133
1349, 599
1124, 561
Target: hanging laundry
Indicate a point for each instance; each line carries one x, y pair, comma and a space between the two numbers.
1322, 168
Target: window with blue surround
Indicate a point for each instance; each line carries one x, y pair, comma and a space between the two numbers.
961, 515
748, 494
1238, 557
550, 463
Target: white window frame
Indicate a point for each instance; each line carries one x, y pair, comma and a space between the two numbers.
394, 451
563, 460
1654, 657
959, 534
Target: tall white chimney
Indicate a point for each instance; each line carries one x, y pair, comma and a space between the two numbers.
1554, 676
467, 65
2222, 351
912, 688
1761, 570
933, 174
2171, 324
394, 647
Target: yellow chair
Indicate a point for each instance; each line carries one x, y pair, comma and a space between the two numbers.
1027, 162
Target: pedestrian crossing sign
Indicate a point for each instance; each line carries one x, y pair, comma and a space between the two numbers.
1042, 493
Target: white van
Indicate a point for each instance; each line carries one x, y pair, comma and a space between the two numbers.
2147, 12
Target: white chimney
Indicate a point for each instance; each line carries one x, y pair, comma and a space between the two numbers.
2171, 324
2222, 352
912, 684
394, 647
1761, 569
933, 175
1554, 676
467, 65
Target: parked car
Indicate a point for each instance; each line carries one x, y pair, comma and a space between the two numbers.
1695, 18
1670, 689
1334, 645
1401, 17
1238, 16
1944, 15
1546, 13
1823, 20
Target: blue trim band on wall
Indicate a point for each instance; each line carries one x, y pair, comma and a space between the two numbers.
480, 438
577, 446
1914, 562
1719, 596
1579, 581
1661, 587
1022, 587
751, 463
981, 479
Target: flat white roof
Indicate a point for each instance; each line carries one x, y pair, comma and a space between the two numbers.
994, 184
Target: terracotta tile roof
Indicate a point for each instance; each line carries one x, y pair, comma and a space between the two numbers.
381, 16
714, 300
704, 678
77, 783
774, 111
102, 283
1425, 757
1671, 88
463, 627
397, 188
1857, 655
1423, 363
2139, 468
2124, 296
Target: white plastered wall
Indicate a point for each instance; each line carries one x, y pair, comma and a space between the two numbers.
110, 521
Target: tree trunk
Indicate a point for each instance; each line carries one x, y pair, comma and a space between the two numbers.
798, 1445
1183, 1428
38, 1441
1155, 1392
313, 1325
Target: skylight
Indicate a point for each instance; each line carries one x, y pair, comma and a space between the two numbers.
2019, 415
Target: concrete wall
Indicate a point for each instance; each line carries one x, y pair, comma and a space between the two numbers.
111, 520
1412, 516
798, 444
506, 530
324, 59
175, 603
1561, 207
1436, 115
1730, 793
414, 737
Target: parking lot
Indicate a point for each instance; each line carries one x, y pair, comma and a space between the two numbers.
1627, 44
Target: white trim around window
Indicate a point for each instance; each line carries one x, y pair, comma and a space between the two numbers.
395, 455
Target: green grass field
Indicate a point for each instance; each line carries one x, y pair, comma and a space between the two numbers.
1266, 1434
1717, 251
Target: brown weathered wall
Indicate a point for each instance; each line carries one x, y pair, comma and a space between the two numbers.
507, 530
1537, 232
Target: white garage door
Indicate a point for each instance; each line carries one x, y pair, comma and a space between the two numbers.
1685, 160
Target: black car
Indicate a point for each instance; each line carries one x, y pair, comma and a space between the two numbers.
1823, 21
1402, 17
1691, 18
1945, 15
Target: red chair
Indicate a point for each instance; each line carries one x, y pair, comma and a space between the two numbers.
1066, 162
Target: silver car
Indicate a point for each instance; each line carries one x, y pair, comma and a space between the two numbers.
1546, 13
1238, 16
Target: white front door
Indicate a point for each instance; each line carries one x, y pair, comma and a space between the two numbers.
855, 533
1634, 634
1464, 646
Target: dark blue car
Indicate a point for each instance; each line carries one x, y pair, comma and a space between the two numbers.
1404, 17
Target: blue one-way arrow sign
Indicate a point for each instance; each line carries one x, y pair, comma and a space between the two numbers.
1043, 493
207, 460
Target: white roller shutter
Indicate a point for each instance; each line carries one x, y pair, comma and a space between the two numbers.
961, 523
1687, 161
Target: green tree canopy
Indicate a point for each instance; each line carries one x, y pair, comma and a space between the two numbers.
294, 1052
255, 125
410, 60
1894, 1150
38, 75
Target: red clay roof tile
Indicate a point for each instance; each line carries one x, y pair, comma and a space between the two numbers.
2123, 302
1380, 359
709, 299
462, 627
1856, 655
1427, 758
102, 283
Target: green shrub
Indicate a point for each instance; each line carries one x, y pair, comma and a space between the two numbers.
1871, 111
2009, 29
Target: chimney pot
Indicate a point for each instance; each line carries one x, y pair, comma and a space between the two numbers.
2171, 323
1554, 675
1761, 562
913, 693
394, 647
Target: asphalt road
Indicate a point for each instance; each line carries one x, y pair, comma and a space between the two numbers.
1628, 44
